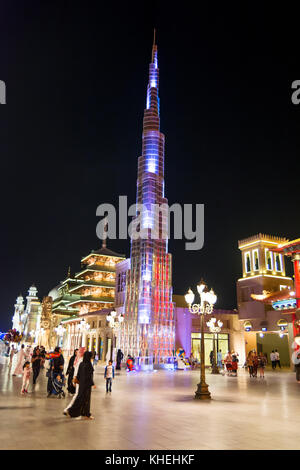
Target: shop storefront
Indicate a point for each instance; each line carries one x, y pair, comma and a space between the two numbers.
230, 338
222, 343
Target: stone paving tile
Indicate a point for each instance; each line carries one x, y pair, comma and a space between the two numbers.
157, 411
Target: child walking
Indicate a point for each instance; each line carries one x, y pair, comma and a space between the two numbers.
26, 377
262, 361
109, 375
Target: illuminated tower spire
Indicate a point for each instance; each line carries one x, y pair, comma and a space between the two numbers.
154, 46
149, 291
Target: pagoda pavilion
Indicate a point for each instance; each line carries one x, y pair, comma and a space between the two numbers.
82, 298
94, 286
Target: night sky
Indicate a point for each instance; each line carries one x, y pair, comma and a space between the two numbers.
70, 134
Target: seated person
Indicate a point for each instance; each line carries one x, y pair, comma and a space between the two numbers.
58, 384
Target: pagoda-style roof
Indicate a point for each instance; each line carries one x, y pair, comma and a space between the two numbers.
73, 318
68, 282
105, 284
65, 311
103, 251
107, 252
270, 297
66, 298
56, 294
289, 248
90, 298
95, 267
104, 311
283, 300
285, 306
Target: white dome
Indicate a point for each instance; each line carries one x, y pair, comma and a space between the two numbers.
54, 293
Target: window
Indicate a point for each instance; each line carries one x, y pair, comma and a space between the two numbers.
278, 262
269, 260
247, 262
222, 343
255, 260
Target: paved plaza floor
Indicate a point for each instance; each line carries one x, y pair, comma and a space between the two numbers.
157, 410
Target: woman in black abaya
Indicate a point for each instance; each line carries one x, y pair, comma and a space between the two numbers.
70, 373
82, 403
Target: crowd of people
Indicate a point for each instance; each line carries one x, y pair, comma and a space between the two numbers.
231, 361
275, 359
229, 364
78, 378
258, 361
255, 363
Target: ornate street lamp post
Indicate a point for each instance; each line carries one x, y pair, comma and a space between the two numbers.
206, 306
115, 323
214, 327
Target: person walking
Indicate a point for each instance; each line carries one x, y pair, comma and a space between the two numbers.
273, 360
228, 363
70, 373
192, 360
297, 367
26, 377
120, 356
11, 355
95, 359
82, 404
28, 353
56, 368
277, 358
58, 362
130, 363
255, 363
21, 359
262, 361
36, 364
211, 358
235, 362
78, 360
250, 363
109, 375
43, 356
219, 359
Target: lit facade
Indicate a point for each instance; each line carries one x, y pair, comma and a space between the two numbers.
18, 314
92, 331
57, 320
94, 286
292, 250
149, 328
188, 335
263, 274
84, 296
262, 271
30, 318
